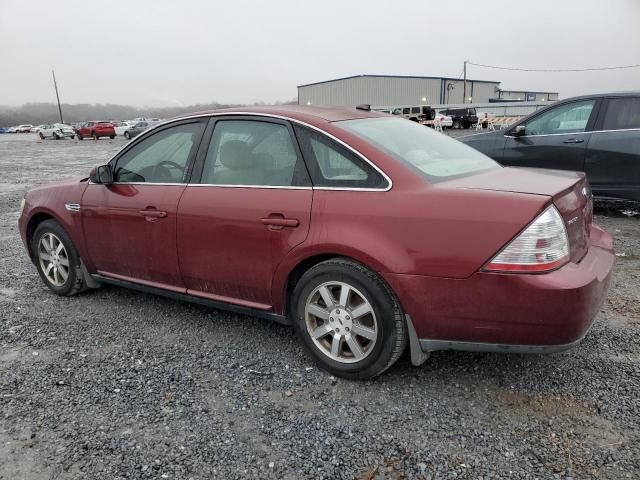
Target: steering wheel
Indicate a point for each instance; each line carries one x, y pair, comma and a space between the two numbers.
169, 165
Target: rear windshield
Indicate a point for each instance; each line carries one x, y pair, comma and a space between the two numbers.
432, 153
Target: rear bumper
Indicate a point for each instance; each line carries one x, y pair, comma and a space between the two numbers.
509, 312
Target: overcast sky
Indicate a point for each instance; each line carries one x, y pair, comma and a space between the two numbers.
182, 52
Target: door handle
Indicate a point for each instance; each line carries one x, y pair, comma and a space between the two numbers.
574, 140
152, 214
279, 221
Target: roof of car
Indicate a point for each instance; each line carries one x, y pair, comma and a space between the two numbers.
299, 112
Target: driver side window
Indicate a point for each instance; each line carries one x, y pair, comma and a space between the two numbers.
160, 158
570, 118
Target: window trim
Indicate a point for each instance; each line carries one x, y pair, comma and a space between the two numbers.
157, 129
211, 117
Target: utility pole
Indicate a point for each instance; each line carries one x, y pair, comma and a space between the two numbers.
55, 85
464, 88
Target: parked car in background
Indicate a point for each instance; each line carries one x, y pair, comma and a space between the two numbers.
24, 128
445, 120
4, 129
415, 113
595, 134
136, 130
279, 213
37, 128
462, 117
95, 130
56, 131
122, 127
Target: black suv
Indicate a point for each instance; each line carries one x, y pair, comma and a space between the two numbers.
461, 117
595, 134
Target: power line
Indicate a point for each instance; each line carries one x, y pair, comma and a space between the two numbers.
619, 67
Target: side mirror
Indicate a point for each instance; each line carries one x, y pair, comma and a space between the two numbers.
520, 131
101, 174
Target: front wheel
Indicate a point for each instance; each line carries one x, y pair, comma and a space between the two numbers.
127, 135
348, 319
57, 259
95, 136
112, 137
457, 124
41, 135
80, 137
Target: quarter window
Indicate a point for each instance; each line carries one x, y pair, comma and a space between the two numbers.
570, 118
622, 113
332, 165
160, 158
248, 152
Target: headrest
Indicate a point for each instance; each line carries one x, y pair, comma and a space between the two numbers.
235, 155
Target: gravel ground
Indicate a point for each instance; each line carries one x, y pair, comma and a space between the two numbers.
118, 384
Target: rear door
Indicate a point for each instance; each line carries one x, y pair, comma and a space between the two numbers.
556, 138
248, 204
613, 153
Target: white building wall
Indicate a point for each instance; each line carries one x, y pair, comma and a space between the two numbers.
391, 91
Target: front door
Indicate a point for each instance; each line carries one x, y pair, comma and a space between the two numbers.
250, 204
556, 138
130, 225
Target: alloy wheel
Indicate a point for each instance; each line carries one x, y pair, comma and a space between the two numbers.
341, 322
54, 259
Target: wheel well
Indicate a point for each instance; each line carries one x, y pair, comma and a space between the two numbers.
300, 270
307, 264
36, 220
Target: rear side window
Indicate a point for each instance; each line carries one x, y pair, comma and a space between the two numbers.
406, 110
622, 113
248, 152
415, 109
332, 165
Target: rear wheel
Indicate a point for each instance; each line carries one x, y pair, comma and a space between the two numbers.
112, 137
41, 135
80, 137
348, 319
57, 259
457, 124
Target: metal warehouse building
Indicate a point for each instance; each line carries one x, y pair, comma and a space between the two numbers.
390, 90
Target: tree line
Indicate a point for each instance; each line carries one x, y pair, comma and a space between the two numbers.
43, 113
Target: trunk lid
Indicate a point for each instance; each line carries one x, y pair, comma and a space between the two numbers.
569, 192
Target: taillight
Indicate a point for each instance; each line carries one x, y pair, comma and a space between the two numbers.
541, 247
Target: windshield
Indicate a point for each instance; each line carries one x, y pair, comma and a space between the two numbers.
434, 154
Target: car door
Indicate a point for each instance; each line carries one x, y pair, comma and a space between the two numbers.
249, 203
556, 138
613, 154
130, 225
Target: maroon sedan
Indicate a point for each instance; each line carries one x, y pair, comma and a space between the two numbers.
366, 232
95, 130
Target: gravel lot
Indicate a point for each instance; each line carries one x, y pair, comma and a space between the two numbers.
117, 384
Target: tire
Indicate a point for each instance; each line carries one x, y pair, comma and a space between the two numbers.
80, 137
383, 323
41, 135
127, 135
112, 137
56, 136
50, 233
457, 124
95, 135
